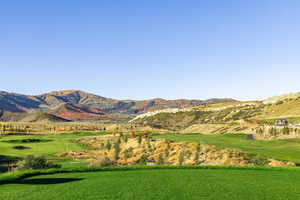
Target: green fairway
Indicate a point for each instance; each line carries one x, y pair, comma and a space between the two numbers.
288, 149
48, 146
210, 184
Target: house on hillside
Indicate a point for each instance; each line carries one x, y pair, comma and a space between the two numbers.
282, 122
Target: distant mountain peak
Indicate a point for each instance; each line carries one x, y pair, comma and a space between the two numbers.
64, 92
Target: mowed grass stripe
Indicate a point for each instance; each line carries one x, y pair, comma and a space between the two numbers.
231, 184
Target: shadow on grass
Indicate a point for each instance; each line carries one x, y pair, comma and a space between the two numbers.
45, 181
6, 161
27, 140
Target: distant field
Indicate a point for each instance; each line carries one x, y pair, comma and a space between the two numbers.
209, 184
48, 146
288, 150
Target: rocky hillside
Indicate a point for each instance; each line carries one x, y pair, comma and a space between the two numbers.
78, 105
180, 119
141, 149
255, 117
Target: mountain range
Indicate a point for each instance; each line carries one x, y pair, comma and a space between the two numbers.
76, 105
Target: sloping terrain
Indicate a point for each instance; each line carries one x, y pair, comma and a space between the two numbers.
214, 114
30, 117
17, 103
141, 149
79, 105
254, 117
76, 112
282, 109
42, 117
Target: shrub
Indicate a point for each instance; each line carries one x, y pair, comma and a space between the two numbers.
143, 160
35, 162
104, 161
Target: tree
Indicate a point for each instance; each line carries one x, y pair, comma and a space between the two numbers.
108, 145
35, 162
181, 157
139, 138
143, 160
259, 131
285, 130
117, 150
125, 138
167, 153
196, 159
160, 160
119, 140
128, 153
273, 131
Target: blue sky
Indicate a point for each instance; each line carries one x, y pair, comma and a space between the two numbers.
140, 49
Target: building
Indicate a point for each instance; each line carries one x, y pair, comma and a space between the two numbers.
281, 122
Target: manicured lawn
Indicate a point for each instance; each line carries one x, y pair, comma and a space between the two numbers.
48, 146
181, 184
278, 149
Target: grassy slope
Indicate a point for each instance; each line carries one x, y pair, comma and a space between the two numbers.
286, 109
57, 144
277, 149
233, 184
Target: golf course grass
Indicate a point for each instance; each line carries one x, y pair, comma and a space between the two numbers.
288, 149
143, 184
42, 145
76, 182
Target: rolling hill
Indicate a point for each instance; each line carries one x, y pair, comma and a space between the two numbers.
30, 117
225, 117
77, 105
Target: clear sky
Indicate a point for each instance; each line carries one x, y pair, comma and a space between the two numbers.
139, 49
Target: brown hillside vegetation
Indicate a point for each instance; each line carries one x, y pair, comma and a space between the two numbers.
140, 149
253, 117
